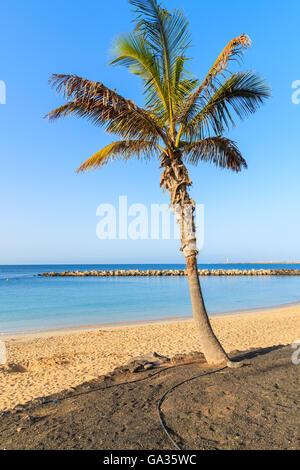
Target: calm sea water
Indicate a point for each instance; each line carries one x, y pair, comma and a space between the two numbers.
33, 303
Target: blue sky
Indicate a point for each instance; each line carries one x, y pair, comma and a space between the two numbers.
48, 213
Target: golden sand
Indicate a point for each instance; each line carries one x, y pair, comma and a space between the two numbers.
43, 364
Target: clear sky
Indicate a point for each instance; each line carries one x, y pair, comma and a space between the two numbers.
48, 213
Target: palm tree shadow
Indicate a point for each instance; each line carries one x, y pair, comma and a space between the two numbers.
238, 356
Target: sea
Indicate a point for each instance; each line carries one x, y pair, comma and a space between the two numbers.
29, 303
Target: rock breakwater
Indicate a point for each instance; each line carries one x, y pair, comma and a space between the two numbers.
175, 272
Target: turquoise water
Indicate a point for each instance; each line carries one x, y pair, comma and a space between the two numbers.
33, 303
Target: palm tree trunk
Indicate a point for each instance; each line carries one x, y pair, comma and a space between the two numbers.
209, 344
176, 180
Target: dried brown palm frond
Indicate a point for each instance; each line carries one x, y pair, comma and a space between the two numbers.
127, 124
119, 150
219, 150
233, 51
103, 106
77, 88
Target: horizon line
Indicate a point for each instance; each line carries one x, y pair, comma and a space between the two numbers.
140, 263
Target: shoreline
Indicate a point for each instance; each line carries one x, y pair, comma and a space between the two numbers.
141, 264
40, 333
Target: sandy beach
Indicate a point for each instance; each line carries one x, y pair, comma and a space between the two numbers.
47, 363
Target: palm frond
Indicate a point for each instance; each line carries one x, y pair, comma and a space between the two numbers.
243, 93
168, 37
119, 150
219, 150
78, 88
104, 107
134, 52
167, 33
183, 82
232, 52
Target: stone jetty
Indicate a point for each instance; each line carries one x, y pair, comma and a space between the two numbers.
175, 272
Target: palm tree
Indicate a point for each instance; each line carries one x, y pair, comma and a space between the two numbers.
182, 122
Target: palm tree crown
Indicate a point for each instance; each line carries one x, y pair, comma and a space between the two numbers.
181, 113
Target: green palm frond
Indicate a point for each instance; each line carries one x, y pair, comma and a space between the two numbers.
133, 51
219, 150
168, 34
168, 37
243, 93
183, 82
119, 150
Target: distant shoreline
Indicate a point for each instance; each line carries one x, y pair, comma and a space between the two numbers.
248, 263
